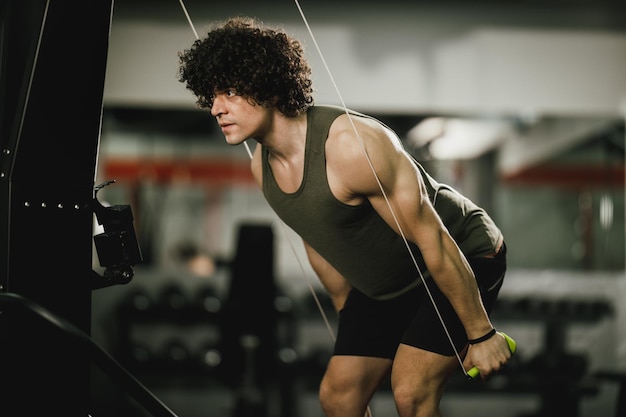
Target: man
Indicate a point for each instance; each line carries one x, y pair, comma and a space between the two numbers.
375, 225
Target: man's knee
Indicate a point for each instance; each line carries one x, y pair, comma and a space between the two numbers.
340, 397
331, 397
325, 391
415, 398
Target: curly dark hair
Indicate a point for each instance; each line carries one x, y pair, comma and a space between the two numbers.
257, 61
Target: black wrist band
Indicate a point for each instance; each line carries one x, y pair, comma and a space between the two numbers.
482, 338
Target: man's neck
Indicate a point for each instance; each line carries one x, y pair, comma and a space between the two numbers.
287, 137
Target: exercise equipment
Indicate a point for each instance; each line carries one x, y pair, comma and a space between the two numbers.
474, 372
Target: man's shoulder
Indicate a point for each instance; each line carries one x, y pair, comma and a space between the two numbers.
328, 109
321, 117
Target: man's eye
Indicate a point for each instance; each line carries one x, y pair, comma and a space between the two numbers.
231, 92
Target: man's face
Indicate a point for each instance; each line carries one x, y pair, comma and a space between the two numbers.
239, 117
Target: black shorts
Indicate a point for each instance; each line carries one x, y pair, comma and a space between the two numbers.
369, 327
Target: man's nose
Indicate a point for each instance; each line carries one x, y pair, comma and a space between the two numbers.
217, 108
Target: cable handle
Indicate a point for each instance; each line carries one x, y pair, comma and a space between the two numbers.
474, 372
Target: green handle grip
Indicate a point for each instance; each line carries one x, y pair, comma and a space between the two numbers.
473, 373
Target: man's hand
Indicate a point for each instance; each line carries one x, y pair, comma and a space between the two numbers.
475, 372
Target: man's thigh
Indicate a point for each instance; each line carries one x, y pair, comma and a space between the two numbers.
357, 372
422, 369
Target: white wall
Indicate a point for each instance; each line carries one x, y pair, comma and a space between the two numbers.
409, 60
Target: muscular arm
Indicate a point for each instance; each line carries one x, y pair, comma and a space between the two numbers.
421, 224
352, 180
334, 283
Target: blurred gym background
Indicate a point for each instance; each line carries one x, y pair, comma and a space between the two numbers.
518, 104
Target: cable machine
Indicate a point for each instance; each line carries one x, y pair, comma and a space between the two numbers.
52, 68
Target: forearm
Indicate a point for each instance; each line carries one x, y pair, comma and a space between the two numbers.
456, 280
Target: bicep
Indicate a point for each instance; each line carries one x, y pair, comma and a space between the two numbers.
381, 171
406, 208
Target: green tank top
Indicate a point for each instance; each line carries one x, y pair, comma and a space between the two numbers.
355, 239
